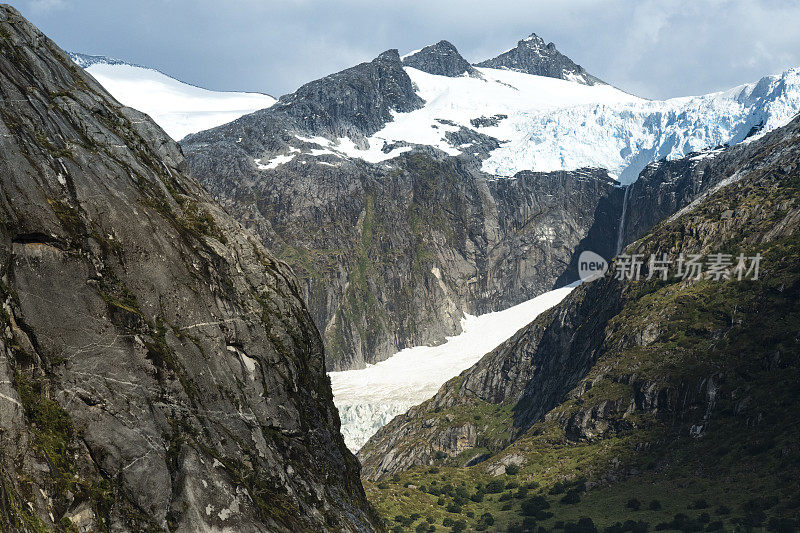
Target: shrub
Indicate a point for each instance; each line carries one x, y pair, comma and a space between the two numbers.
521, 493
571, 497
447, 522
635, 527
655, 505
422, 527
532, 506
383, 485
495, 486
440, 501
512, 470
699, 504
722, 509
477, 497
714, 526
584, 525
454, 508
487, 518
507, 506
505, 497
459, 526
633, 504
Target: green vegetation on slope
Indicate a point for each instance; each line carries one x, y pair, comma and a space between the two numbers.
687, 420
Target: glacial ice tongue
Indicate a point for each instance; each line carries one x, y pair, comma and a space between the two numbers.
369, 398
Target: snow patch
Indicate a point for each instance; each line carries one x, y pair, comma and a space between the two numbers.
275, 162
179, 108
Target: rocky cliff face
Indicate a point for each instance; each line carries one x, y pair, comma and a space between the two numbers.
533, 56
391, 255
158, 368
441, 59
647, 356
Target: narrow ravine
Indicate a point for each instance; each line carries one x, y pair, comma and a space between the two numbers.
369, 398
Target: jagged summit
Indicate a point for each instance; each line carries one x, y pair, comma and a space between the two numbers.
356, 101
441, 59
533, 56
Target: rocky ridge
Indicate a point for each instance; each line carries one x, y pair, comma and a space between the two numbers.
533, 56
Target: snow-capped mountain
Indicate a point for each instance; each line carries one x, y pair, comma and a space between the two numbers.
369, 398
179, 108
530, 108
544, 123
311, 171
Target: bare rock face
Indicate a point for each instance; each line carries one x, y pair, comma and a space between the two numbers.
158, 367
533, 56
390, 256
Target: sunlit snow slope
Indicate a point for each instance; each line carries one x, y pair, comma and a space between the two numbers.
369, 398
179, 108
550, 124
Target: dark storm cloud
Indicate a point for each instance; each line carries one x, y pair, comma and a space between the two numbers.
652, 48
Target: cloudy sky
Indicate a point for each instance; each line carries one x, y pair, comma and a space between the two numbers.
653, 48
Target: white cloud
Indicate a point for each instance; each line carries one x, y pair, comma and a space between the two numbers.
653, 48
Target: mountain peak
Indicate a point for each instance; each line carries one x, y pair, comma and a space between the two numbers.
391, 55
442, 59
533, 56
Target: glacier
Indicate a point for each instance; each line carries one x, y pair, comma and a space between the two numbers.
625, 137
179, 108
369, 398
545, 124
